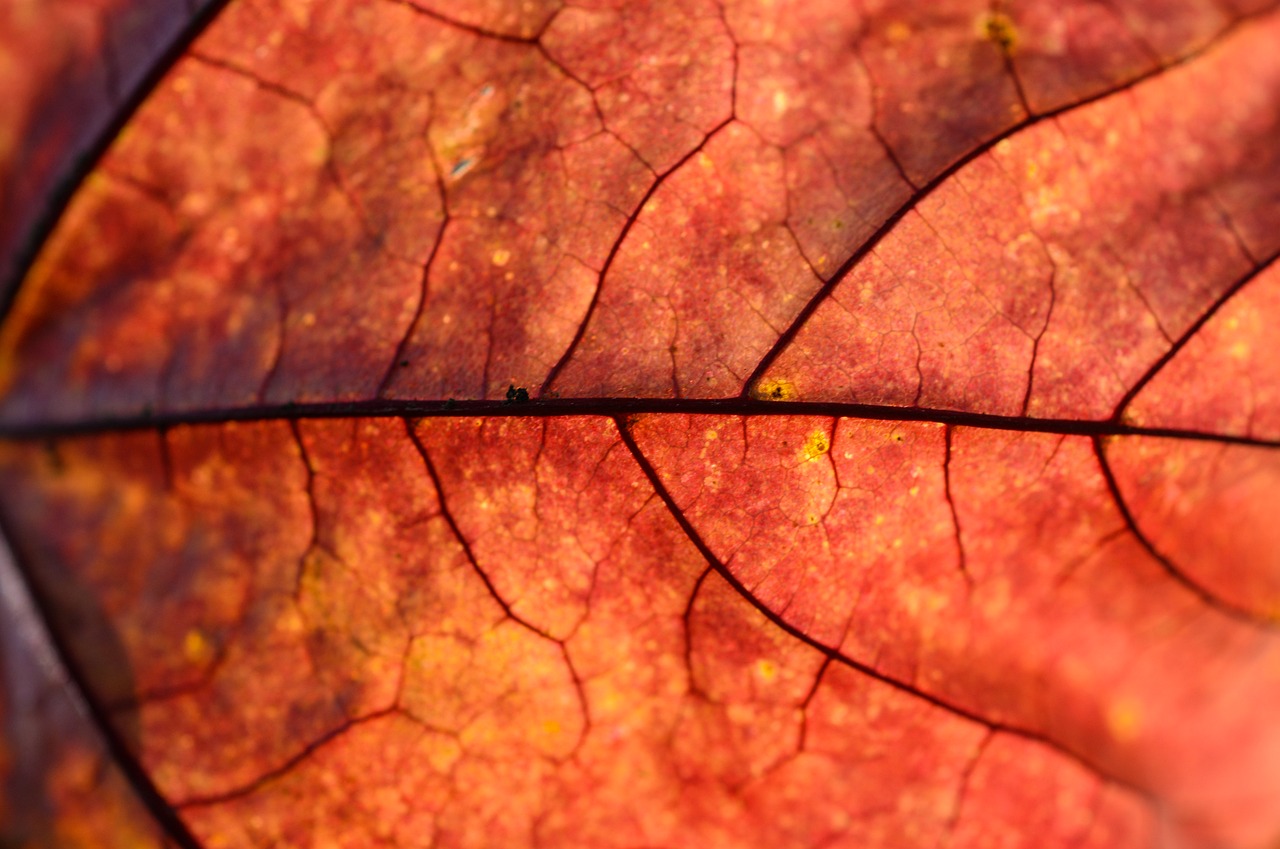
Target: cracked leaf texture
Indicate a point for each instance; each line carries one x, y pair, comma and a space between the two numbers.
898, 469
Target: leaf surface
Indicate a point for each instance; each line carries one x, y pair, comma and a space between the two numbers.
667, 424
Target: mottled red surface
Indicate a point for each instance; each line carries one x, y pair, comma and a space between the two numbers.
899, 467
59, 788
67, 67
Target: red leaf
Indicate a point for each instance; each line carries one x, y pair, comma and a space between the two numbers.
650, 424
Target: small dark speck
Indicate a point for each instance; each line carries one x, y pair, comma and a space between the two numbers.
517, 396
449, 403
404, 363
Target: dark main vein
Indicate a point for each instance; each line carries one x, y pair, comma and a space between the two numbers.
65, 187
612, 408
85, 163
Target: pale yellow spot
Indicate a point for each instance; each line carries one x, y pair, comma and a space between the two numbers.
815, 446
551, 727
898, 31
774, 389
879, 519
915, 490
1240, 351
1124, 719
998, 28
290, 622
196, 204
711, 435
317, 153
611, 701
501, 257
706, 161
779, 101
995, 598
196, 647
182, 85
309, 319
766, 669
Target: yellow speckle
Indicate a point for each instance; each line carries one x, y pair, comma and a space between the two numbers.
501, 257
998, 28
711, 434
1124, 719
879, 519
774, 389
766, 669
196, 647
915, 490
551, 727
318, 152
815, 445
182, 85
1240, 351
779, 101
705, 161
898, 31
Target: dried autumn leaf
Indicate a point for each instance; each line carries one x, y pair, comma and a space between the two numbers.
667, 424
